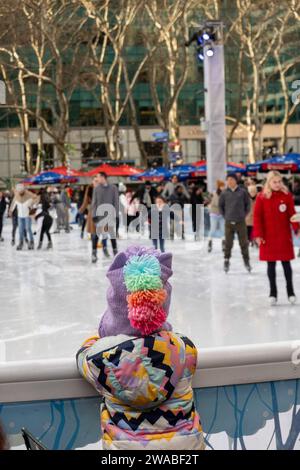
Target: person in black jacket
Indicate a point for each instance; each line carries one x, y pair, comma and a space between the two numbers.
178, 198
2, 212
146, 194
235, 205
47, 221
159, 228
196, 200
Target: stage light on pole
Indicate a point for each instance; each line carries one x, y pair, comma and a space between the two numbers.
210, 52
200, 55
206, 37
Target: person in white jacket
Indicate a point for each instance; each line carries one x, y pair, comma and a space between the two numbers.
24, 200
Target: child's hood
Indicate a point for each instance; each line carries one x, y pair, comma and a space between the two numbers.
141, 372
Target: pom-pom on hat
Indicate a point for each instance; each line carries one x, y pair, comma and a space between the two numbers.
139, 295
142, 278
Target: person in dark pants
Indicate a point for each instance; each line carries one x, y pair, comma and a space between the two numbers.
81, 217
86, 207
14, 217
274, 209
2, 212
234, 205
196, 200
159, 228
106, 194
47, 221
146, 195
179, 199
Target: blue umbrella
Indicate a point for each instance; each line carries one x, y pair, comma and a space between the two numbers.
182, 171
49, 177
154, 173
289, 161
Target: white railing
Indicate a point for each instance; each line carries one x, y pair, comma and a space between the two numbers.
59, 378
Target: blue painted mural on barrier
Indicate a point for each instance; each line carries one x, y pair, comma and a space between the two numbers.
252, 416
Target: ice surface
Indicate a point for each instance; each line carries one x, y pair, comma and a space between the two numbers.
51, 301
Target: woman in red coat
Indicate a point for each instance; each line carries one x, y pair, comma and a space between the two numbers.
273, 211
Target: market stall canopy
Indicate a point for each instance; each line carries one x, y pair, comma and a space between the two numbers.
288, 162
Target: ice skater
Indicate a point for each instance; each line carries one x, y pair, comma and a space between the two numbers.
3, 205
252, 190
142, 369
273, 212
86, 208
159, 228
234, 205
217, 221
106, 194
47, 221
24, 200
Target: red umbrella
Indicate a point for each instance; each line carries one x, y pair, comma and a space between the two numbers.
199, 163
122, 170
63, 170
126, 170
108, 169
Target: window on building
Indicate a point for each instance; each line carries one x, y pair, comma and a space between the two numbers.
270, 147
45, 113
89, 117
147, 116
93, 151
154, 152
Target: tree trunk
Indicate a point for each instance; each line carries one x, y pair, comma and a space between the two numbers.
137, 132
61, 152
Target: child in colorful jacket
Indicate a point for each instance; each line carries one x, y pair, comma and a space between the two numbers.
139, 366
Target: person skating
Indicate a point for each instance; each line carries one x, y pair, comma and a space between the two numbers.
178, 200
252, 190
47, 221
234, 205
216, 219
142, 369
24, 200
273, 211
160, 216
66, 202
106, 194
171, 186
196, 200
146, 195
3, 204
87, 207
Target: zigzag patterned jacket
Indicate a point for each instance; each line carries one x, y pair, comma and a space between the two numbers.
146, 384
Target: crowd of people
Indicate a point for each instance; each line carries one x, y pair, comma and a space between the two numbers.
139, 294
238, 207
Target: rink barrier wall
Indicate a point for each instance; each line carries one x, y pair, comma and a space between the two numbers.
248, 397
59, 378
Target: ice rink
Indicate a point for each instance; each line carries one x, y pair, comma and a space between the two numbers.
50, 302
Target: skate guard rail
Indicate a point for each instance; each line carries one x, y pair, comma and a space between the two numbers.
59, 378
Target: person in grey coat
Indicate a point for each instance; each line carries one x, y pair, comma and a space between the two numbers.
170, 187
106, 194
234, 205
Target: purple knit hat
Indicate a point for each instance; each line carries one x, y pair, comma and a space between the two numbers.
115, 319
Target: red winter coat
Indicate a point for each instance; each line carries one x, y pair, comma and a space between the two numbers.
272, 224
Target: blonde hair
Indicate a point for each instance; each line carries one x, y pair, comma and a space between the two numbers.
252, 189
267, 190
220, 184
